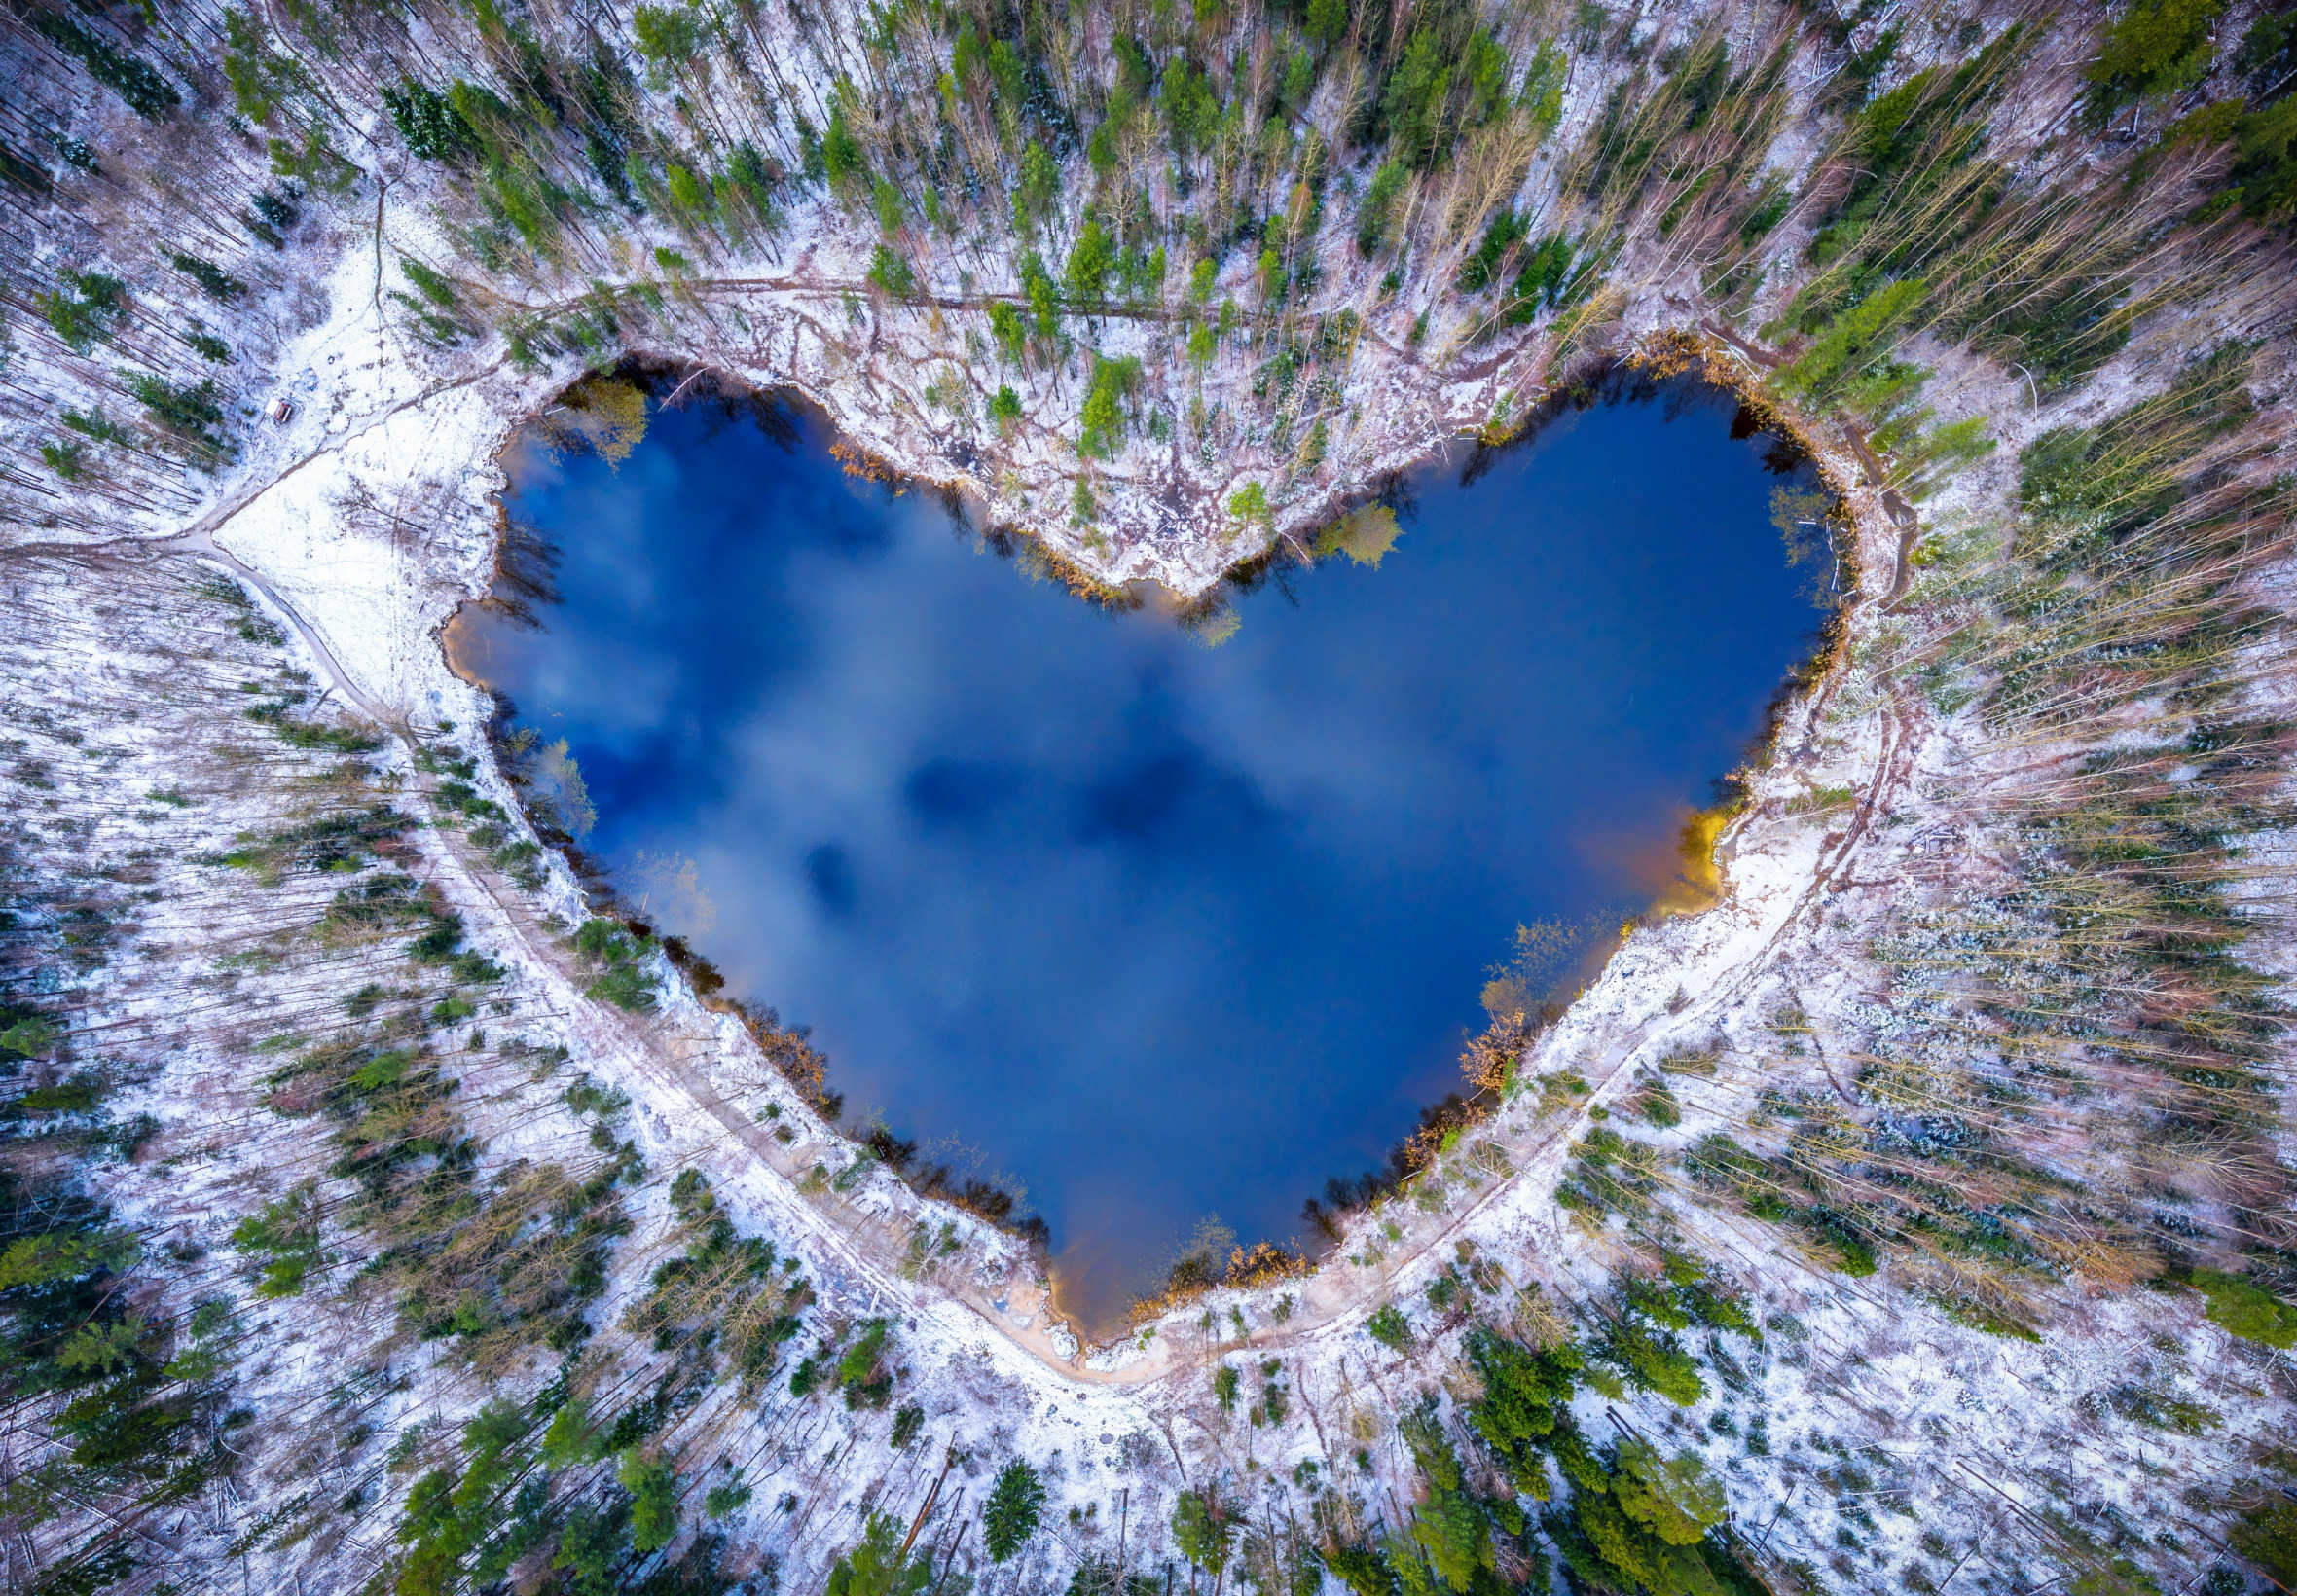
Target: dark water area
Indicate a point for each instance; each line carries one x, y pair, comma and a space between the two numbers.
1156, 929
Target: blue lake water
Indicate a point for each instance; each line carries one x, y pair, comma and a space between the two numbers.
1159, 930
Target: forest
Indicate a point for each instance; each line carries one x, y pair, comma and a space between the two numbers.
389, 1208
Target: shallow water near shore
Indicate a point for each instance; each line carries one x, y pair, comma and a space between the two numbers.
1156, 929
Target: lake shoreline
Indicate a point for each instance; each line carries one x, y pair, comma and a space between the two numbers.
1668, 371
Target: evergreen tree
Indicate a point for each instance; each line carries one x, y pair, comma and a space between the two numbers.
1009, 1517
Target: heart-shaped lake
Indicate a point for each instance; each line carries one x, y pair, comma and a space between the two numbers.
1157, 929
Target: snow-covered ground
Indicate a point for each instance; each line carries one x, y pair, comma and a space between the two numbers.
367, 519
1861, 1409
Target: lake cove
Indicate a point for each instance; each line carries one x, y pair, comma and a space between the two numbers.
1156, 922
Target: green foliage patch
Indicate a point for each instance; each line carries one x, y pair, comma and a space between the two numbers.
1009, 1516
145, 90
621, 957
